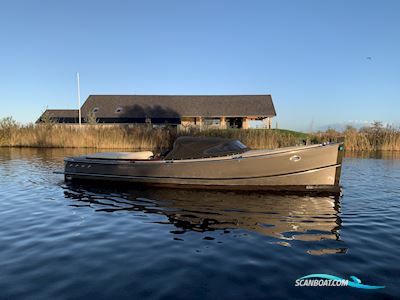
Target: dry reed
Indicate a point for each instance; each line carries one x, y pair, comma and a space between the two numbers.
374, 138
145, 137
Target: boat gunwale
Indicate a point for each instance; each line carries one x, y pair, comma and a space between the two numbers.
244, 155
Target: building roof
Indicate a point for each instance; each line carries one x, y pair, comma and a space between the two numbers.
60, 114
142, 106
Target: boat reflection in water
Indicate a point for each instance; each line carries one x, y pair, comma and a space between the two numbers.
286, 218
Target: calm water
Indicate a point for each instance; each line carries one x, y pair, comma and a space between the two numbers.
75, 242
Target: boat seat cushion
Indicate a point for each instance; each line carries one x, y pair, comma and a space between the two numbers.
122, 155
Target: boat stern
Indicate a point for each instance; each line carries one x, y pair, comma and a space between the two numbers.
73, 166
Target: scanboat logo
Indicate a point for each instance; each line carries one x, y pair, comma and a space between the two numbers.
330, 280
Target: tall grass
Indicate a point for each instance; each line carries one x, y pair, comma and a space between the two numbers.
88, 136
373, 138
138, 137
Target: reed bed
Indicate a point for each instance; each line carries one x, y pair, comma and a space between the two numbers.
374, 138
88, 136
140, 137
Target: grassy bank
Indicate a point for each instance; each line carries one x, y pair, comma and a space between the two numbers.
145, 137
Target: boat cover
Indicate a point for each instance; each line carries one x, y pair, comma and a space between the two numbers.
187, 147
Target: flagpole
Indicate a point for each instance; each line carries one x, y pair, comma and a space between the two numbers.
79, 100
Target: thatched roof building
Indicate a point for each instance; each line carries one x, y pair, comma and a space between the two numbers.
228, 111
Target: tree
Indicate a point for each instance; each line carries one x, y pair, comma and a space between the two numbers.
7, 126
91, 118
47, 118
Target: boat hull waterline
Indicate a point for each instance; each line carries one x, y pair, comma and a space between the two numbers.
305, 168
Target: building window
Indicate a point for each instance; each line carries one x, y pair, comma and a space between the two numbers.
234, 122
212, 121
118, 110
95, 110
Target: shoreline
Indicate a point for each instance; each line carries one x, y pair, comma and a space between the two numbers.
144, 137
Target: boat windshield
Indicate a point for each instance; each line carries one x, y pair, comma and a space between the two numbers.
202, 147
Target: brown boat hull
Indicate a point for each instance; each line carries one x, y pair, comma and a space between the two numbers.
304, 169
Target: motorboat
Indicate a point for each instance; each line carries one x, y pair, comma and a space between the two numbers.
217, 163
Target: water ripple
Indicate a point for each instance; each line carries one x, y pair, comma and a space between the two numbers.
74, 242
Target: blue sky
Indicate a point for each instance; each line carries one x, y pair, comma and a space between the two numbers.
312, 56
